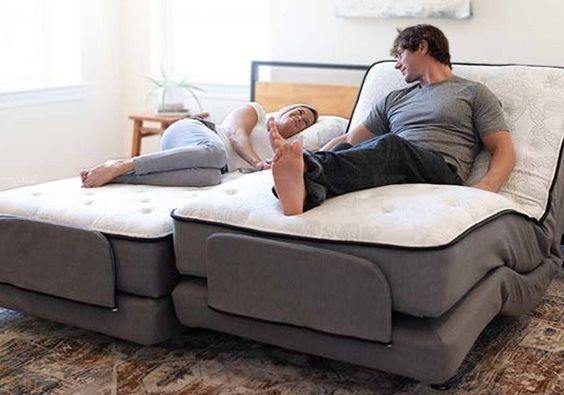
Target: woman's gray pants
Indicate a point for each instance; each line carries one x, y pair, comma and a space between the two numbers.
383, 160
191, 155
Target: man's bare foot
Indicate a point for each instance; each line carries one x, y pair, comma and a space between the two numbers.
83, 174
105, 172
288, 173
276, 140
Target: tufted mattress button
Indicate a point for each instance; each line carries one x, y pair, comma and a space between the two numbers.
88, 202
146, 210
35, 194
144, 200
230, 191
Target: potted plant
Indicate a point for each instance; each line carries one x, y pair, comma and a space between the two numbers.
173, 94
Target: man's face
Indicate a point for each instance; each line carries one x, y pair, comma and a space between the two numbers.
411, 64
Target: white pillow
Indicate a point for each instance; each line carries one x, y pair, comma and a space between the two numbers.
320, 133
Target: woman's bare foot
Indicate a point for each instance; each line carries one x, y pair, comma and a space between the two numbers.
105, 172
288, 173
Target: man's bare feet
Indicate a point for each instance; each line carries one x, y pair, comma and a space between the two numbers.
105, 172
83, 174
275, 138
288, 173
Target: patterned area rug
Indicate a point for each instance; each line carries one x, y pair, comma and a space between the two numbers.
512, 356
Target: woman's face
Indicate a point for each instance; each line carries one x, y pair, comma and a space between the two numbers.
294, 121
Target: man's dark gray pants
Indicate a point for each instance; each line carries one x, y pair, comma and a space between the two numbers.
382, 160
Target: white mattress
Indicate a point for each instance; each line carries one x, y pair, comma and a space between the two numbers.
139, 211
412, 215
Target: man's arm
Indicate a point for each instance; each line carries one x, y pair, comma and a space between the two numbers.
502, 160
359, 134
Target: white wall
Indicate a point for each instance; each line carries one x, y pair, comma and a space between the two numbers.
520, 31
55, 140
137, 59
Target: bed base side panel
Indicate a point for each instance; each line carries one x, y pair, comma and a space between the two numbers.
298, 285
67, 262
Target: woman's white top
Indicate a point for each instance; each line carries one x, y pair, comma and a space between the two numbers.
258, 137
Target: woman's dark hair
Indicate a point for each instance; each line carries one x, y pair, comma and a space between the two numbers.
410, 38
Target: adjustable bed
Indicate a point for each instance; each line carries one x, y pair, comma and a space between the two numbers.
99, 258
401, 278
102, 259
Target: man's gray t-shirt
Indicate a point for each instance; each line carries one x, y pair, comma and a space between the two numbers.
449, 117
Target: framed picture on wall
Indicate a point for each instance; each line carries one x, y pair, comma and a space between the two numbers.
455, 9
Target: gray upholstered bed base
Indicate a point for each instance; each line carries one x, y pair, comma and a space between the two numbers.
116, 286
280, 307
427, 349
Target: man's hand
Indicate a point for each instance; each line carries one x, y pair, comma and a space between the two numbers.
359, 134
485, 186
502, 161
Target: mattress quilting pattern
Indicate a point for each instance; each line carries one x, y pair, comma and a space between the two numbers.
411, 215
138, 211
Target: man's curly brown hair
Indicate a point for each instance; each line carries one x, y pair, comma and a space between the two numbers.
410, 38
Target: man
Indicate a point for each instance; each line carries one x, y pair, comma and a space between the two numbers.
429, 132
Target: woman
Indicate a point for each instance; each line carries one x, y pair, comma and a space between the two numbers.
194, 154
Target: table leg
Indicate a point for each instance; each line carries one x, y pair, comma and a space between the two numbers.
136, 144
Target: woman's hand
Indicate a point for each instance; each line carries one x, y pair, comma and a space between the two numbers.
261, 165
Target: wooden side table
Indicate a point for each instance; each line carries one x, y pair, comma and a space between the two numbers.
159, 124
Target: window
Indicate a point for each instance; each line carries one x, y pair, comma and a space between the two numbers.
40, 44
214, 41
